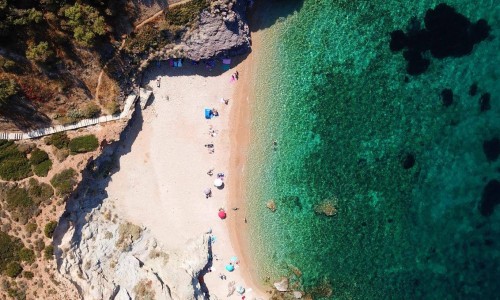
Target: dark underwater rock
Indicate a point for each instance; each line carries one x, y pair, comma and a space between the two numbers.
408, 161
491, 149
484, 102
446, 34
490, 198
447, 97
416, 63
473, 89
398, 40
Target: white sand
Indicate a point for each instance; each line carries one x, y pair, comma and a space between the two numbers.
161, 180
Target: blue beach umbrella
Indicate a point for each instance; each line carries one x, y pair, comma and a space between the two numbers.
230, 268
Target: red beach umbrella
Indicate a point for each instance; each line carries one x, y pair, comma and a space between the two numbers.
222, 214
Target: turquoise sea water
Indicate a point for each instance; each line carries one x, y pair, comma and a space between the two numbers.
334, 96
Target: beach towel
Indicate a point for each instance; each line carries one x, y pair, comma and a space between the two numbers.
226, 67
171, 62
179, 63
226, 61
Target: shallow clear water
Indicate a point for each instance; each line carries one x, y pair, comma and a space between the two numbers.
333, 95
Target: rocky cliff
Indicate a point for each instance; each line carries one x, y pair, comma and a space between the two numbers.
110, 258
222, 30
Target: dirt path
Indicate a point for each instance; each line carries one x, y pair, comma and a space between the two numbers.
138, 26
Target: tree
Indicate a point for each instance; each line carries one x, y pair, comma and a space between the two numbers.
8, 88
86, 23
39, 53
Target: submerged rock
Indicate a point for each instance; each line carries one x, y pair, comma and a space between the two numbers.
408, 161
490, 198
327, 208
447, 97
473, 89
484, 102
271, 205
282, 285
446, 34
491, 149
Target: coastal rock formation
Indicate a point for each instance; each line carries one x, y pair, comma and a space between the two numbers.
491, 149
222, 29
282, 285
271, 205
484, 102
113, 259
490, 198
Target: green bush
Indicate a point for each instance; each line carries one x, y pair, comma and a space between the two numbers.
86, 23
91, 110
7, 65
49, 252
13, 164
27, 255
38, 156
31, 228
64, 182
9, 249
43, 168
50, 228
20, 204
59, 140
39, 52
28, 275
40, 192
13, 269
83, 144
8, 88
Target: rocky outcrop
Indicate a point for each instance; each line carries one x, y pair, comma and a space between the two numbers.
114, 259
282, 285
222, 30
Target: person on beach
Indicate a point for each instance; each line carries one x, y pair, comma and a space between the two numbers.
275, 145
236, 75
215, 112
210, 172
233, 78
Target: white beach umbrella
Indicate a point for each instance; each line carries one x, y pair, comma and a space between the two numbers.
218, 182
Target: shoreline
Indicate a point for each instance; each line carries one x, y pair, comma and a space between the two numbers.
240, 134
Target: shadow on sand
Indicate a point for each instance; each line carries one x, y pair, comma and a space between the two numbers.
91, 191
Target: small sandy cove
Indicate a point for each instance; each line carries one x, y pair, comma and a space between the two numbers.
161, 181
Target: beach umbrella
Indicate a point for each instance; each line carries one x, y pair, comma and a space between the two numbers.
222, 214
218, 182
230, 268
207, 191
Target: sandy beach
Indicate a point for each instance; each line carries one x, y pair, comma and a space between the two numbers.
162, 179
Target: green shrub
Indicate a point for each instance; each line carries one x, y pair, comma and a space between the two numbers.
13, 164
13, 269
50, 228
9, 249
83, 144
40, 192
49, 252
43, 168
7, 65
8, 88
39, 52
20, 204
28, 275
59, 140
112, 107
31, 228
38, 156
91, 110
27, 255
64, 182
86, 23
